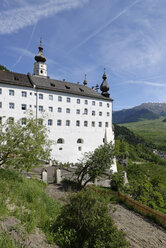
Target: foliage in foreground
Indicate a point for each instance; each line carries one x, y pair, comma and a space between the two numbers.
22, 146
94, 164
26, 200
84, 222
6, 242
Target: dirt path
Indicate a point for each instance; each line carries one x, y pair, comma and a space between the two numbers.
140, 231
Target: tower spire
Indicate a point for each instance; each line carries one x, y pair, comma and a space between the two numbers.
85, 81
104, 87
40, 68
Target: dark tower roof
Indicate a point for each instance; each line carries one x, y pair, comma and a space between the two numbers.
85, 81
104, 87
40, 57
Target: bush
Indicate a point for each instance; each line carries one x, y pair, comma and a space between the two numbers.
84, 222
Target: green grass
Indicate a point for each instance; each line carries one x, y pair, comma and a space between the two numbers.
6, 241
151, 130
26, 200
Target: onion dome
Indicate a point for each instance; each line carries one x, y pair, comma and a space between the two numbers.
40, 57
104, 87
85, 81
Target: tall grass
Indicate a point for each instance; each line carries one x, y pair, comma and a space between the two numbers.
26, 200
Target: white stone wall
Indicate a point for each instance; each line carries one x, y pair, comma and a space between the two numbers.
70, 150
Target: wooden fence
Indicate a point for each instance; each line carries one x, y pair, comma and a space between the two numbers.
142, 209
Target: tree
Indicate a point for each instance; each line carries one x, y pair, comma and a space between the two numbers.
22, 146
117, 181
84, 222
94, 164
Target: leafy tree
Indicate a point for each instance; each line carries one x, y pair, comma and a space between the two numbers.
94, 164
117, 181
22, 146
84, 222
3, 68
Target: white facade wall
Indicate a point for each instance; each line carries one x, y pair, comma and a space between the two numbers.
70, 150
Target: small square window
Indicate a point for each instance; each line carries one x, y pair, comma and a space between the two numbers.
68, 110
85, 123
11, 105
59, 122
23, 106
93, 124
0, 91
108, 105
23, 121
24, 94
59, 110
30, 106
77, 123
93, 103
100, 124
68, 123
51, 97
50, 122
77, 111
11, 120
11, 92
93, 112
108, 114
106, 124
100, 104
0, 104
59, 99
50, 109
40, 96
68, 99
100, 113
40, 108
78, 101
86, 101
85, 111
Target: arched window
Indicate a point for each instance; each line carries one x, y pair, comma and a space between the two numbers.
80, 141
60, 141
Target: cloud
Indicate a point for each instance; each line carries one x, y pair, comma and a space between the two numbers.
155, 84
96, 32
18, 18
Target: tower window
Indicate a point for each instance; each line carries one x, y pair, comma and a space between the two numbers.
59, 110
68, 110
11, 92
108, 114
108, 105
93, 102
50, 122
78, 101
85, 123
77, 123
40, 108
50, 109
85, 111
93, 112
68, 99
24, 94
100, 104
67, 123
51, 97
0, 104
93, 124
11, 105
60, 141
40, 96
23, 106
59, 122
59, 99
79, 148
106, 124
100, 124
0, 91
100, 113
86, 101
41, 71
77, 111
80, 141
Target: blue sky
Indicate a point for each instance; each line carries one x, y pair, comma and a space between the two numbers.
127, 37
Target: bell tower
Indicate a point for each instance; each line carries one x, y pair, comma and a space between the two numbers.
40, 68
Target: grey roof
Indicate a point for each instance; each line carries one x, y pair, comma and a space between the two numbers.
30, 81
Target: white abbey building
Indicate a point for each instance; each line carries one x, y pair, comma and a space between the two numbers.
79, 118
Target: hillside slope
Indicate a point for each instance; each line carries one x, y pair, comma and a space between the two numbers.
147, 111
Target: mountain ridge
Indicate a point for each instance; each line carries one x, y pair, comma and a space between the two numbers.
144, 111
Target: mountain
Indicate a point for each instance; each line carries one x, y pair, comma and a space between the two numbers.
3, 68
145, 111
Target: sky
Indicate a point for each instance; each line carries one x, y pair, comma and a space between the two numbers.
127, 37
